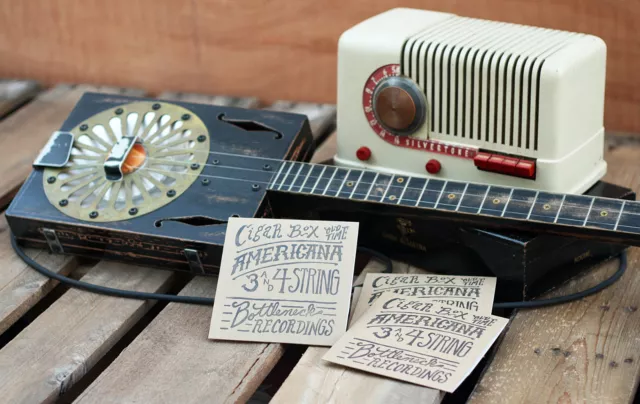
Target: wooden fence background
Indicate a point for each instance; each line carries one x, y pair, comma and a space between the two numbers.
272, 49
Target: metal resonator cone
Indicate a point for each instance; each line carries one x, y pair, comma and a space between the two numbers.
171, 151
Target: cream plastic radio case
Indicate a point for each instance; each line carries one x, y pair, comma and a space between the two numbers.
443, 96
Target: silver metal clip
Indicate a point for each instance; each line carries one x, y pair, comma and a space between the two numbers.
194, 260
52, 240
55, 154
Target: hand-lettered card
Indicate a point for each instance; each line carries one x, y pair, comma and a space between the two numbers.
473, 293
418, 341
285, 281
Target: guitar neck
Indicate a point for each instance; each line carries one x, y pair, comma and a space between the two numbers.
605, 219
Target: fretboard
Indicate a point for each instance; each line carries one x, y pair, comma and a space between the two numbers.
615, 219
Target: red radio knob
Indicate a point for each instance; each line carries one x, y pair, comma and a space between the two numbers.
433, 166
363, 153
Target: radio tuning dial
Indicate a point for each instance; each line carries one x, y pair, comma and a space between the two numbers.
399, 105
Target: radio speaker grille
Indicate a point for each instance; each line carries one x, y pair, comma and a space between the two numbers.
482, 78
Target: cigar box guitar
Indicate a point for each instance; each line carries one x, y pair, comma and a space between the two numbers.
503, 127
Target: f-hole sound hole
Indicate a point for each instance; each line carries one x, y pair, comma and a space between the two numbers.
249, 126
191, 221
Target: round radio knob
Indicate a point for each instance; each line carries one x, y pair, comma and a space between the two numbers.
399, 105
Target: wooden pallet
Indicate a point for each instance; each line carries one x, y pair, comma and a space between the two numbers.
66, 345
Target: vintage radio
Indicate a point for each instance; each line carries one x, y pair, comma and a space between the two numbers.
455, 98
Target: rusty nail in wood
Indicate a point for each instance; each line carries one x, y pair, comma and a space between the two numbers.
628, 360
537, 351
556, 351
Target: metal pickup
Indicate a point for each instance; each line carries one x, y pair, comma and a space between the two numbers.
119, 153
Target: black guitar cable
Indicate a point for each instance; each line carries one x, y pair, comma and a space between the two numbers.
206, 301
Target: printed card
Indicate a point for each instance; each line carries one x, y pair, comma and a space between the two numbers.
417, 341
285, 281
473, 293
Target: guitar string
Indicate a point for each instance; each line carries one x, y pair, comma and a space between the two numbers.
283, 175
306, 177
281, 161
406, 199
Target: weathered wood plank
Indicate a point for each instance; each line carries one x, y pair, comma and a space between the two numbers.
181, 364
13, 93
321, 116
325, 152
20, 286
26, 131
65, 341
585, 351
240, 102
314, 380
617, 139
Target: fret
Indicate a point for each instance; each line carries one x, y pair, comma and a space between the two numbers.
520, 203
315, 185
472, 198
533, 204
559, 209
274, 181
336, 182
424, 188
349, 184
287, 179
506, 204
298, 180
440, 195
604, 213
431, 193
546, 208
312, 178
323, 180
364, 186
619, 216
412, 191
630, 220
380, 187
356, 184
326, 187
495, 201
386, 190
396, 187
296, 176
483, 199
451, 195
307, 176
464, 191
589, 212
373, 183
574, 210
282, 181
404, 190
344, 181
